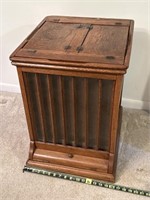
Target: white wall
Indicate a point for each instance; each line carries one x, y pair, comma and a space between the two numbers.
20, 17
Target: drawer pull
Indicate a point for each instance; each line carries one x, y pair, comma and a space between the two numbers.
110, 57
70, 155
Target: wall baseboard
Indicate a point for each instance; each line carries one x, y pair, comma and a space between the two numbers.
10, 87
137, 104
128, 103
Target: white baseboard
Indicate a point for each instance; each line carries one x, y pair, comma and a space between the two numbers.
10, 87
137, 104
129, 103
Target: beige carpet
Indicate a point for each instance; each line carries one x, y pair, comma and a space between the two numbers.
133, 163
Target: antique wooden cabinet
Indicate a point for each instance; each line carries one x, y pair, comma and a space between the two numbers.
71, 75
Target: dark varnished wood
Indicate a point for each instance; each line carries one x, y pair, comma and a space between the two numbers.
45, 63
129, 45
98, 132
85, 91
78, 161
86, 20
72, 170
26, 105
51, 43
75, 69
115, 113
72, 149
51, 108
73, 97
31, 150
40, 105
71, 75
113, 156
45, 41
61, 102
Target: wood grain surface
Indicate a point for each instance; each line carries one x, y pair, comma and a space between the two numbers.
71, 75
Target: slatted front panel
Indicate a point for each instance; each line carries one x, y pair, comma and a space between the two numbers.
70, 111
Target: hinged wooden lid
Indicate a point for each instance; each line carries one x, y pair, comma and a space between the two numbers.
78, 40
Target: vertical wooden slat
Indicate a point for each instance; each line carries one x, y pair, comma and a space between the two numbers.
62, 107
114, 122
73, 94
40, 105
98, 132
86, 111
51, 109
26, 104
111, 112
115, 112
106, 112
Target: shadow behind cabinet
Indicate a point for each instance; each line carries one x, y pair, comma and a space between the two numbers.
71, 74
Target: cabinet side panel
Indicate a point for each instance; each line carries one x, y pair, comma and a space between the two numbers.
31, 90
26, 103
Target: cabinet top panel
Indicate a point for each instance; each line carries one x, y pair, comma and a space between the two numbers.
94, 41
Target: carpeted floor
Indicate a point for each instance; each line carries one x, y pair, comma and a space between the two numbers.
133, 163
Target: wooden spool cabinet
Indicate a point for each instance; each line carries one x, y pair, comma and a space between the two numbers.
71, 75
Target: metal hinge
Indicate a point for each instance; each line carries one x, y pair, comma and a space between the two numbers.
88, 26
80, 26
80, 48
67, 47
